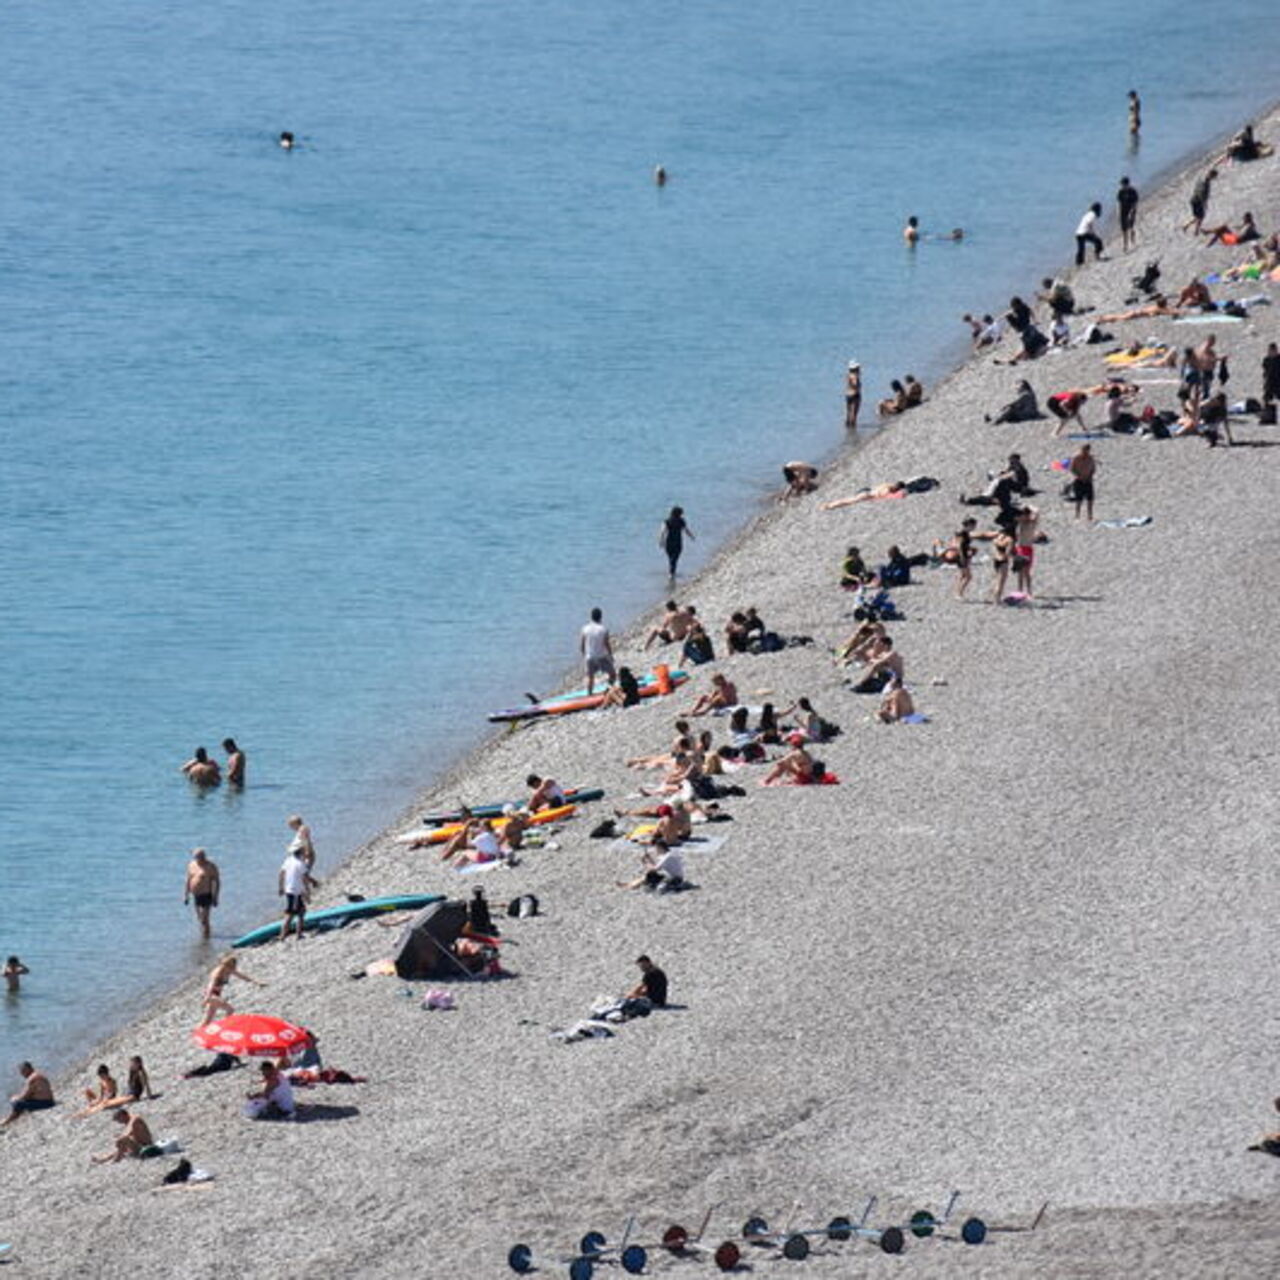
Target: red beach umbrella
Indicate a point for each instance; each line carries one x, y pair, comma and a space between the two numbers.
251, 1035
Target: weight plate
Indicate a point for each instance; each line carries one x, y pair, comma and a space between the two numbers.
675, 1237
592, 1242
581, 1269
633, 1259
754, 1227
839, 1229
922, 1224
974, 1231
892, 1240
520, 1259
796, 1248
727, 1256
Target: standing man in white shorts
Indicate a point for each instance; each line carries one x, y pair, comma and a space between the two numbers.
597, 651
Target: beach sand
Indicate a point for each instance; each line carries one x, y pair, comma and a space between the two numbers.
1023, 950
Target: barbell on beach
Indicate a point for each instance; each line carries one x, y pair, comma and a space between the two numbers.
923, 1224
795, 1246
594, 1247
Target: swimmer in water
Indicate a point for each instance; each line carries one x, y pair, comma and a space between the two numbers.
286, 140
660, 176
911, 232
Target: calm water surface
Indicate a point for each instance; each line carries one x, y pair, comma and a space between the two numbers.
287, 438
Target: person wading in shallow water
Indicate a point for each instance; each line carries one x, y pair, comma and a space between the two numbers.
671, 535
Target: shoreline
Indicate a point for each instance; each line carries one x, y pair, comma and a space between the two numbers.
450, 776
493, 754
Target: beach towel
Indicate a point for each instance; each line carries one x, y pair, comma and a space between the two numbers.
1215, 317
1129, 522
1060, 464
1125, 357
1086, 435
694, 844
916, 717
827, 780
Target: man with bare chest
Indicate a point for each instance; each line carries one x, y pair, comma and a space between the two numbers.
204, 883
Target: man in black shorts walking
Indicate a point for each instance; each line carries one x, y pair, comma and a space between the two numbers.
1127, 204
1083, 468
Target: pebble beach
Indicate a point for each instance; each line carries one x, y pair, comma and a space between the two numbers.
1023, 950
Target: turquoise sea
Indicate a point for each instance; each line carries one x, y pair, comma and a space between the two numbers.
331, 450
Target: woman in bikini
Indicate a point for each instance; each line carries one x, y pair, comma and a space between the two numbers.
215, 1005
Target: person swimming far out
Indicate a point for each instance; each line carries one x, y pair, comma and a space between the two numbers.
659, 175
286, 140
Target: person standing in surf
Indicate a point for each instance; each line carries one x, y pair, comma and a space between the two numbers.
671, 536
1135, 113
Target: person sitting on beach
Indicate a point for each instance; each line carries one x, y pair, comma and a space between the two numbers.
873, 494
985, 332
797, 765
1060, 332
135, 1139
626, 693
864, 638
853, 569
662, 869
801, 478
1066, 407
215, 1004
14, 970
544, 793
768, 730
1057, 296
753, 622
137, 1083
1022, 408
274, 1100
1225, 235
674, 626
201, 770
683, 767
720, 697
1244, 147
914, 391
1119, 418
482, 845
735, 632
697, 648
653, 985
808, 721
883, 663
896, 703
100, 1094
1196, 297
36, 1094
1022, 322
1270, 1143
896, 403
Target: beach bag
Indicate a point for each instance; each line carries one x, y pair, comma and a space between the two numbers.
605, 830
523, 907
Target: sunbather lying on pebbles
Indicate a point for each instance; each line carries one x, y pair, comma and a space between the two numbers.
872, 494
857, 646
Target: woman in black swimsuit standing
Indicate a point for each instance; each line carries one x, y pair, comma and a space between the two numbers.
671, 537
